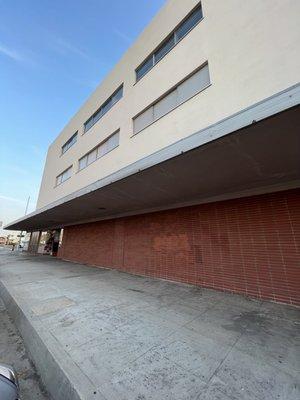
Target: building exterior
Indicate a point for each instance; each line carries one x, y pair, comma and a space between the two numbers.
12, 239
184, 162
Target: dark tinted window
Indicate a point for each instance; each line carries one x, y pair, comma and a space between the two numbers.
117, 96
106, 106
97, 116
189, 23
164, 48
113, 99
177, 34
144, 68
89, 123
69, 143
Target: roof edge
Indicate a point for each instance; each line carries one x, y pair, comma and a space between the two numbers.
263, 109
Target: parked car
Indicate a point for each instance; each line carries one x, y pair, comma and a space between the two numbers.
9, 386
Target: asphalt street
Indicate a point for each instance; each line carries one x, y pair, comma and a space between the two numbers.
12, 352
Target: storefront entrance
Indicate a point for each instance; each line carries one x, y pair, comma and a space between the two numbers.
45, 242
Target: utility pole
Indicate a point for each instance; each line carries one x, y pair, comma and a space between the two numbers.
27, 204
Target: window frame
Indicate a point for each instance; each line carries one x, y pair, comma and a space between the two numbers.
167, 40
75, 135
167, 93
195, 9
164, 41
61, 176
97, 151
100, 111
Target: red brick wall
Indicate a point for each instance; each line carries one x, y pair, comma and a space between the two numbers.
248, 245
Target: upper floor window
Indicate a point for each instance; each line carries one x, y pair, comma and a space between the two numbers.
66, 174
103, 148
182, 92
69, 143
185, 26
106, 106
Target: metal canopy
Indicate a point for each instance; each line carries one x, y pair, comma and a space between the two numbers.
258, 158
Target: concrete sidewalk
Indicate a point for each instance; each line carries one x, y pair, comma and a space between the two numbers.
102, 334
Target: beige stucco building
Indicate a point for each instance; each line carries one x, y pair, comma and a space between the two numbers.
202, 108
252, 51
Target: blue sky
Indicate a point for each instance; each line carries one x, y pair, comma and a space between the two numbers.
53, 54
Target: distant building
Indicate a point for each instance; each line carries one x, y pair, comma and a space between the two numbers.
184, 162
12, 239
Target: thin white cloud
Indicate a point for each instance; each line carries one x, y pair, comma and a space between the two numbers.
21, 58
11, 53
122, 35
11, 199
64, 47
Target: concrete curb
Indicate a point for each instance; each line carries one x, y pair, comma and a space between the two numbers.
59, 374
